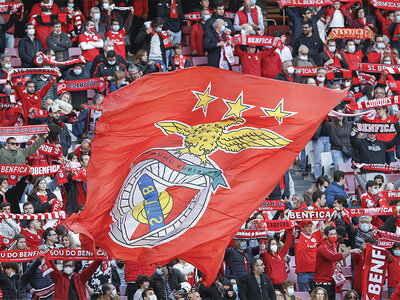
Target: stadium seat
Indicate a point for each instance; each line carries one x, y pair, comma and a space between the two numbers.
74, 52
200, 60
326, 162
16, 62
122, 290
302, 295
123, 297
186, 51
16, 41
11, 51
339, 296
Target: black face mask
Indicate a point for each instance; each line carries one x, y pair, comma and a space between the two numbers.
120, 265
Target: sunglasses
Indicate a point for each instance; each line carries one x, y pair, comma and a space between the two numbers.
14, 144
352, 297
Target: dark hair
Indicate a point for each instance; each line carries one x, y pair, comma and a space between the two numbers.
141, 279
278, 33
303, 10
322, 179
105, 287
8, 265
317, 195
3, 178
370, 240
379, 176
71, 155
46, 233
55, 22
253, 262
176, 46
29, 82
340, 230
329, 228
330, 40
286, 284
338, 175
348, 41
28, 24
157, 21
9, 139
26, 204
36, 184
61, 230
309, 23
218, 3
396, 245
341, 200
357, 10
54, 132
144, 294
370, 183
4, 204
29, 222
114, 20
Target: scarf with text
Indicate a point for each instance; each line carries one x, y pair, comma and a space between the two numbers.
390, 195
374, 273
386, 239
376, 68
229, 15
37, 113
387, 168
330, 214
306, 71
375, 127
50, 150
173, 13
268, 205
39, 216
179, 61
304, 3
48, 19
351, 33
23, 130
44, 293
385, 4
7, 103
6, 8
33, 71
374, 103
82, 85
5, 242
44, 58
256, 40
193, 16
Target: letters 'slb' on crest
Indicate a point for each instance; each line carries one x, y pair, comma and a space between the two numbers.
146, 213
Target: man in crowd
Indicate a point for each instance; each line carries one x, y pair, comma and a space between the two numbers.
249, 15
197, 33
219, 13
29, 46
288, 73
90, 43
165, 280
336, 188
59, 42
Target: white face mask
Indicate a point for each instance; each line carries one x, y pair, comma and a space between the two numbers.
274, 248
206, 17
68, 270
153, 297
31, 31
77, 71
243, 31
7, 66
12, 274
303, 57
70, 5
321, 78
96, 16
347, 83
374, 191
352, 48
364, 227
290, 70
290, 291
113, 293
253, 2
332, 49
380, 45
387, 62
105, 5
115, 27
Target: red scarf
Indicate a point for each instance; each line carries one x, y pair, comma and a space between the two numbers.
165, 37
268, 205
179, 61
173, 13
351, 33
362, 21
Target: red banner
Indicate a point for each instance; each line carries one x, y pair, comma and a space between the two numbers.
306, 71
100, 84
276, 225
268, 205
6, 8
33, 71
374, 274
304, 3
182, 165
386, 239
386, 4
387, 168
39, 216
255, 40
376, 68
375, 127
50, 150
391, 195
23, 130
44, 58
251, 234
374, 103
351, 33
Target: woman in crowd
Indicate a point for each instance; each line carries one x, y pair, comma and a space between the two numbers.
41, 198
351, 295
319, 293
287, 288
118, 81
20, 244
144, 65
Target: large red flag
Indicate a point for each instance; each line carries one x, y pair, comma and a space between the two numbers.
181, 160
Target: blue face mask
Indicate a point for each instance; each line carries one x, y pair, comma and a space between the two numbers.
158, 29
243, 245
159, 271
7, 91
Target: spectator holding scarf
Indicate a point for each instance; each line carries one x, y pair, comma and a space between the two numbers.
41, 198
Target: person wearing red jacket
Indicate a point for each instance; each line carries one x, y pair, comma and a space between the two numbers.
327, 256
360, 21
379, 50
352, 55
271, 65
251, 60
305, 249
64, 289
394, 269
385, 21
32, 98
274, 260
335, 13
33, 233
196, 35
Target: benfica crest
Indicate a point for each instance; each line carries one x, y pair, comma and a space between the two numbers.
149, 210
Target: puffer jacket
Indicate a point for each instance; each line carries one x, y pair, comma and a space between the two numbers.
15, 287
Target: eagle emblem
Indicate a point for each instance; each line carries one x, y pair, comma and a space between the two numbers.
204, 139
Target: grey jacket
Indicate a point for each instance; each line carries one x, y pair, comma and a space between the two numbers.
17, 157
60, 46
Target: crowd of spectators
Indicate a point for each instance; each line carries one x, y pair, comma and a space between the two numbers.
116, 43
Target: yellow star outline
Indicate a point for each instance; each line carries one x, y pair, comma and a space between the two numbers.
204, 99
236, 108
278, 113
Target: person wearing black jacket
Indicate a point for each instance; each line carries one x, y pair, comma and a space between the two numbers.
213, 41
311, 40
14, 194
172, 24
29, 46
4, 28
219, 13
14, 285
41, 198
371, 150
221, 289
102, 57
163, 273
288, 73
79, 97
250, 289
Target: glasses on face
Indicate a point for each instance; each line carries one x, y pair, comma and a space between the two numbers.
352, 297
13, 143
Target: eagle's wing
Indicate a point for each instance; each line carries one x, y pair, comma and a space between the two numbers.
173, 127
236, 141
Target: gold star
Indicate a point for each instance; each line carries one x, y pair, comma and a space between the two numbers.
204, 99
278, 113
236, 108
